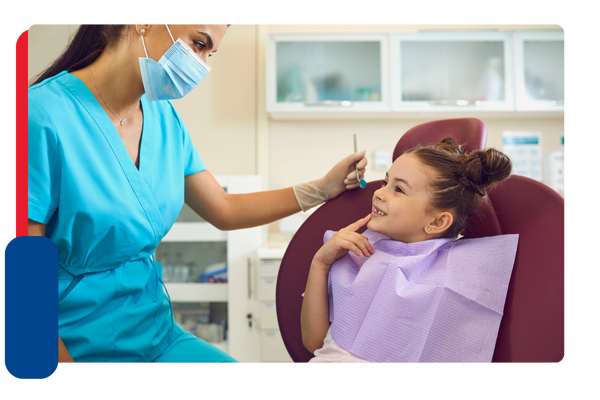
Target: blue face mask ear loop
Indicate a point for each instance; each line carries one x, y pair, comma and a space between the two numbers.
144, 44
168, 30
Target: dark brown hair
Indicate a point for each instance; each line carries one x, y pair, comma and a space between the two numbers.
90, 40
461, 179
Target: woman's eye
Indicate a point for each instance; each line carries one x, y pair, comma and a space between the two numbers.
199, 45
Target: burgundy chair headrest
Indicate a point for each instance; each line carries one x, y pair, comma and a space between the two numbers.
469, 132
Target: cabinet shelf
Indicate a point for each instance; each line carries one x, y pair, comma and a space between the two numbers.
197, 292
414, 114
195, 232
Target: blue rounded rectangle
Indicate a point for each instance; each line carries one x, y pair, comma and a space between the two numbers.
31, 307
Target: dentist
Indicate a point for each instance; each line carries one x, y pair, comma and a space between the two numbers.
110, 166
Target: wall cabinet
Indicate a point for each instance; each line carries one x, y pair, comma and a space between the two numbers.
540, 73
398, 75
452, 71
320, 72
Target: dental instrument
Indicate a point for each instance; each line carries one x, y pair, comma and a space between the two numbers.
363, 183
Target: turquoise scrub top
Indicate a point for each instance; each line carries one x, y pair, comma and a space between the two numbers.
106, 217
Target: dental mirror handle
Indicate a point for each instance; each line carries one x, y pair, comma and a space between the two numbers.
363, 183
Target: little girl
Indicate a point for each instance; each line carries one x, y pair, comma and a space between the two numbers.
406, 290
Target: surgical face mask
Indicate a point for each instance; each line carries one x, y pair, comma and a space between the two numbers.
177, 72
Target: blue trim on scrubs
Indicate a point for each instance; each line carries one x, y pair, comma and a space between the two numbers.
106, 217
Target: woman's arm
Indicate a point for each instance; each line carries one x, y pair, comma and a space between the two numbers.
63, 353
229, 211
226, 211
37, 229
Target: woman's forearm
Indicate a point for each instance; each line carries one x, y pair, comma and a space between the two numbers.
228, 211
260, 208
314, 316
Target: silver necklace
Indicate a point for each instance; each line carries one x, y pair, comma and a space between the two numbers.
111, 110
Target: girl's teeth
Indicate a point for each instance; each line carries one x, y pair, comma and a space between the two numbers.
378, 212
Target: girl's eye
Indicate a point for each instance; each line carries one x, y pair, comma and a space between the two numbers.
396, 189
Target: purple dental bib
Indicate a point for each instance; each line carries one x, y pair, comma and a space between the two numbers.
433, 301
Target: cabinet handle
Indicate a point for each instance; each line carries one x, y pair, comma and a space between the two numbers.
329, 103
249, 278
451, 103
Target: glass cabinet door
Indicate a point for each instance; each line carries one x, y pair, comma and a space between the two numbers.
452, 71
539, 66
200, 262
326, 72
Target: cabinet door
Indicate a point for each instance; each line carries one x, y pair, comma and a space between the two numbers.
242, 245
451, 71
327, 72
539, 66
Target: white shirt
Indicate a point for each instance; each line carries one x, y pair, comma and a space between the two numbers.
331, 352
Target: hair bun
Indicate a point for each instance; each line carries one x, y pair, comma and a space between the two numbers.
483, 168
449, 144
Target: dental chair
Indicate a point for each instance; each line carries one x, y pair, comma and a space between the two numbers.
532, 327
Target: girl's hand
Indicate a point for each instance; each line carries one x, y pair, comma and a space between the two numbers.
345, 240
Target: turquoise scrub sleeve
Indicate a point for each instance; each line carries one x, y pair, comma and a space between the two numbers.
43, 164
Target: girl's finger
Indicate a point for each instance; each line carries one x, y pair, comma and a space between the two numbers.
359, 241
355, 225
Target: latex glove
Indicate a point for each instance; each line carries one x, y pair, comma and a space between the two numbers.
341, 177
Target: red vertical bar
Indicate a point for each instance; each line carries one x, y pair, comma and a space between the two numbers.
21, 142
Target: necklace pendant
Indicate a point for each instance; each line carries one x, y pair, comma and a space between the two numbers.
121, 123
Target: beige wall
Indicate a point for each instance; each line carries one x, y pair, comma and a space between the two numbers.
220, 114
228, 123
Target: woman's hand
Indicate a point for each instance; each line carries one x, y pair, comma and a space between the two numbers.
343, 174
345, 240
341, 177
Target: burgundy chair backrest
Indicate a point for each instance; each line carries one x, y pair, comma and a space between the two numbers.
533, 329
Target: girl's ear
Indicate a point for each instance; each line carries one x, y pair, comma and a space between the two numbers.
440, 223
